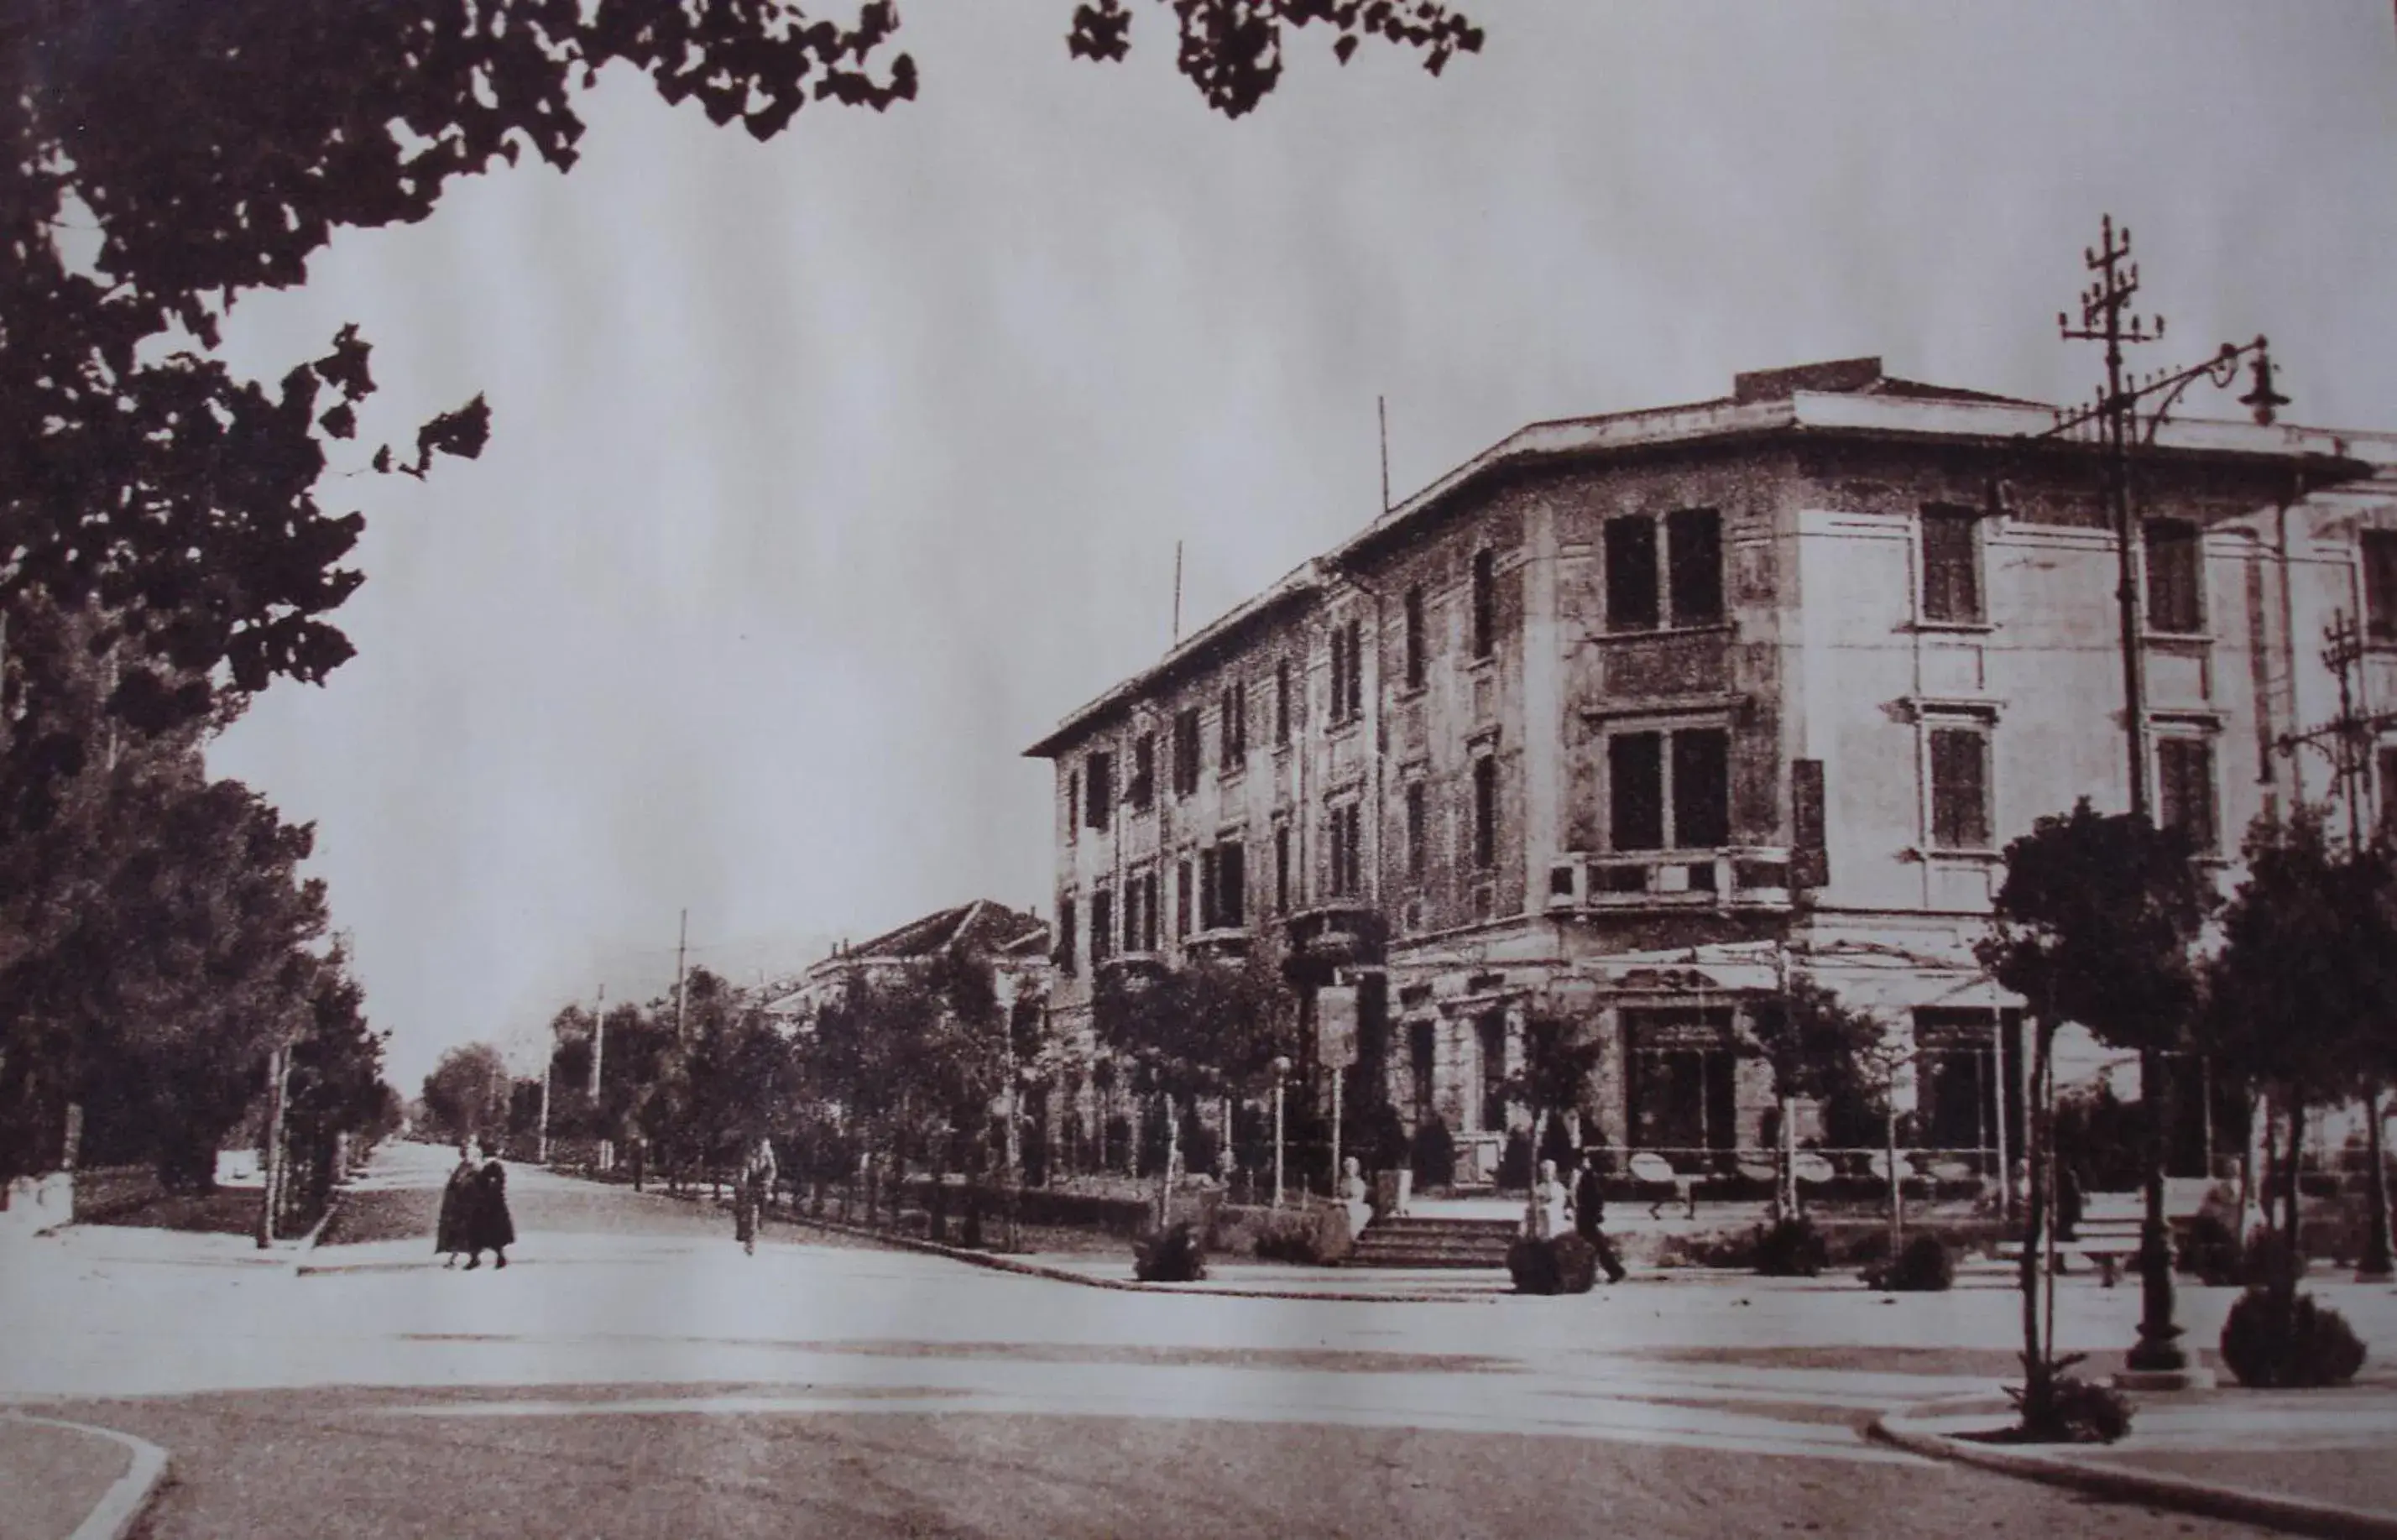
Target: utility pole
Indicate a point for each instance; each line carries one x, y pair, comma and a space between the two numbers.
1381, 413
682, 947
598, 1042
1177, 595
548, 1067
2156, 1362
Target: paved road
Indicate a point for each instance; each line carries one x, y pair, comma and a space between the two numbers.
634, 1374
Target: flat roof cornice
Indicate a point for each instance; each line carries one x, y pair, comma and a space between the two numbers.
2329, 457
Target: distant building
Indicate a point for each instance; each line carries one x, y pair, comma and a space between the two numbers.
1624, 716
1013, 943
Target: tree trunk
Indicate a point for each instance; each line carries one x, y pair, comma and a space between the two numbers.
1785, 1161
2292, 1226
2375, 1264
2037, 1381
1897, 1189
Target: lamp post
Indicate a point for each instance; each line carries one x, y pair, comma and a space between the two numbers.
2121, 421
1280, 1071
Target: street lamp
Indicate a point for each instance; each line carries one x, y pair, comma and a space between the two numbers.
1280, 1071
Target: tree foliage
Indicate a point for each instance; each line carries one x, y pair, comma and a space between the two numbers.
466, 1095
2096, 922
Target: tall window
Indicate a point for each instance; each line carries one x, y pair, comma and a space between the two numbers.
1133, 926
1281, 703
1347, 671
1073, 805
1236, 724
2387, 757
1281, 866
1185, 752
1182, 912
1143, 790
1099, 788
2175, 577
1643, 570
1223, 886
1693, 561
1347, 850
2185, 790
1951, 566
1418, 830
2380, 584
1485, 810
1415, 638
1485, 603
1068, 940
1103, 925
1631, 597
1686, 774
1960, 789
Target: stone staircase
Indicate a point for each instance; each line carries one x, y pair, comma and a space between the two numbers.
1426, 1242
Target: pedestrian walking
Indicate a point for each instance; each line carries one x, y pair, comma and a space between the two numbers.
1589, 1216
752, 1191
491, 1227
452, 1233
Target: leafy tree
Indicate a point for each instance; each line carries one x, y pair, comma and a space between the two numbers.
466, 1095
1816, 1045
1204, 1029
2300, 994
2095, 923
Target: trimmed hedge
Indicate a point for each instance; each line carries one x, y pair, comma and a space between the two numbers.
2277, 1338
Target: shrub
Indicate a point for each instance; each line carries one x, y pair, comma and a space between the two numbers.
1924, 1267
2058, 1408
2277, 1336
1311, 1237
1432, 1153
1567, 1265
1172, 1256
1791, 1248
1708, 1251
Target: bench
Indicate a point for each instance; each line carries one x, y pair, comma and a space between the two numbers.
1648, 1167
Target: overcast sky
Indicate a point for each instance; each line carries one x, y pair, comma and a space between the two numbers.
826, 474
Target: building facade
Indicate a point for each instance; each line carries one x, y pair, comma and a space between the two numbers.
1613, 726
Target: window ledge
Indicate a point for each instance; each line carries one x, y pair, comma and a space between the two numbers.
1960, 856
1710, 628
1953, 628
1409, 694
2152, 633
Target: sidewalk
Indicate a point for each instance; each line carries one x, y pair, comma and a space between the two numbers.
2312, 1462
73, 1482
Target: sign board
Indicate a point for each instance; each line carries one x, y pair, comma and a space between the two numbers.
1335, 1025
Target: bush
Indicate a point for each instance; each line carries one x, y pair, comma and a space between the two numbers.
2070, 1411
1432, 1155
1172, 1256
2210, 1252
1377, 1137
1923, 1267
1708, 1251
2278, 1337
1311, 1237
1567, 1265
1791, 1248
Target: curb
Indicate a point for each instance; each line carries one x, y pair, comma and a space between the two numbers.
113, 1516
1066, 1275
2184, 1495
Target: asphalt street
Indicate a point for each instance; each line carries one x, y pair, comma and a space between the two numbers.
634, 1374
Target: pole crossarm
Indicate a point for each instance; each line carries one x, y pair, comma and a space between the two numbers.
2221, 372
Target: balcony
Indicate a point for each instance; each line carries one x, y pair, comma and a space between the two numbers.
1131, 967
1344, 933
1221, 944
1744, 878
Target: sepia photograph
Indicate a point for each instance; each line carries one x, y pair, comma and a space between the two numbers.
1198, 767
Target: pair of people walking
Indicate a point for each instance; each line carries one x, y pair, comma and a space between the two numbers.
752, 1190
1585, 1201
475, 1215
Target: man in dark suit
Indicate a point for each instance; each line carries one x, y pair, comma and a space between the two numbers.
1589, 1216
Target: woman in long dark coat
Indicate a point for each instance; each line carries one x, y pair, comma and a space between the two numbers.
453, 1234
490, 1230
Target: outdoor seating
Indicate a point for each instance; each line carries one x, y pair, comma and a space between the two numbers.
1653, 1169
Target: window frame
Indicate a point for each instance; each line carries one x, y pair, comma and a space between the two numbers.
1099, 789
1932, 597
1671, 834
1416, 801
2166, 746
1234, 727
1484, 583
1188, 751
1140, 789
1980, 732
1484, 826
2376, 553
1418, 662
1648, 577
2185, 535
1347, 847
